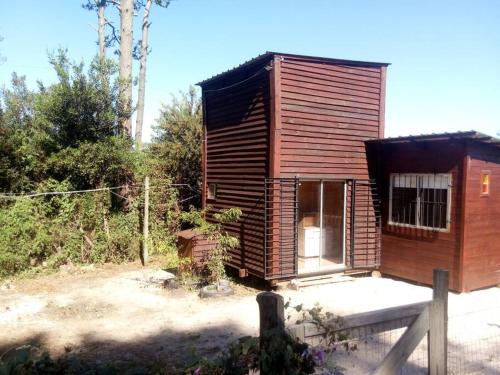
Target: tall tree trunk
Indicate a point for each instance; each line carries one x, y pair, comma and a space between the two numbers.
101, 7
126, 41
142, 75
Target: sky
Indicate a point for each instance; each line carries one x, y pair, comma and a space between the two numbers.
445, 55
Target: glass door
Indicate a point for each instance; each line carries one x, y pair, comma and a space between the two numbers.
321, 225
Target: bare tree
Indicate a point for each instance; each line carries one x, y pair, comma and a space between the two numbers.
142, 74
101, 30
126, 43
142, 56
2, 58
100, 7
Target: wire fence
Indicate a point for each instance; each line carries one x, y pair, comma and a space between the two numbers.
473, 347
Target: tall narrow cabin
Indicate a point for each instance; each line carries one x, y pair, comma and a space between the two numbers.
284, 140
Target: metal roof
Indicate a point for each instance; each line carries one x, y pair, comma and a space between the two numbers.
270, 54
470, 135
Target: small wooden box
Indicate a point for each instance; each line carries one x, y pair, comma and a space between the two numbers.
310, 220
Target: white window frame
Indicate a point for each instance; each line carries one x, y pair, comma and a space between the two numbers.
420, 177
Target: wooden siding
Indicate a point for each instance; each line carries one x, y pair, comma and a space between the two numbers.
481, 259
412, 253
237, 144
194, 246
327, 112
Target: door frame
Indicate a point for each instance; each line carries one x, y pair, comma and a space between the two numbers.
322, 269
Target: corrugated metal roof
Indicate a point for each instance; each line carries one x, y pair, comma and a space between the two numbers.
471, 135
270, 54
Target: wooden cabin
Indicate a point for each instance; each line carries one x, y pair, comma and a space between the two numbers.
284, 141
440, 197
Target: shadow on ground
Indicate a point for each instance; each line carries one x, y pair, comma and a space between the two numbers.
167, 352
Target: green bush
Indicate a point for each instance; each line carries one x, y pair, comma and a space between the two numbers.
65, 136
52, 230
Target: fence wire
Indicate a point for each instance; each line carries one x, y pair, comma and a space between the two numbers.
473, 347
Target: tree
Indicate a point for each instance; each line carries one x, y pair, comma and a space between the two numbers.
80, 107
142, 55
177, 143
2, 58
100, 7
23, 141
126, 43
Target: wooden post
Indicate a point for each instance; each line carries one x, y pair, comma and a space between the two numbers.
145, 223
271, 312
438, 325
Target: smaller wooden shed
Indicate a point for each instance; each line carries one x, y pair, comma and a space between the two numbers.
440, 197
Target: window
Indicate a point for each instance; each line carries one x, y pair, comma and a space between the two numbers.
485, 183
212, 191
420, 200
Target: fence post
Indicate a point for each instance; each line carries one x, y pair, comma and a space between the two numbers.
438, 324
145, 223
271, 312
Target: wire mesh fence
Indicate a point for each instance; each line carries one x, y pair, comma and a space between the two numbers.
473, 347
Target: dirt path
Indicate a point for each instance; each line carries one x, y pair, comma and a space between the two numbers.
115, 314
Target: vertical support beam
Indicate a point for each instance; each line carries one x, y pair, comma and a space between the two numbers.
381, 113
462, 286
145, 223
353, 221
204, 154
274, 166
275, 125
296, 225
438, 325
321, 250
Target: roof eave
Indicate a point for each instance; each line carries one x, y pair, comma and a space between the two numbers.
269, 54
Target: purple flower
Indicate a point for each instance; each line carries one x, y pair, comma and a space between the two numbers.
197, 371
319, 357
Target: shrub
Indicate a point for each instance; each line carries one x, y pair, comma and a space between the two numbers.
219, 254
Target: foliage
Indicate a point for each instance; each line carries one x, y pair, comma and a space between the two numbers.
327, 321
282, 355
176, 151
80, 107
24, 141
277, 352
64, 137
214, 230
109, 162
53, 230
28, 360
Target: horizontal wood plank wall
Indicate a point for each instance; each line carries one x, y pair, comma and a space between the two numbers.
328, 110
237, 123
412, 253
482, 219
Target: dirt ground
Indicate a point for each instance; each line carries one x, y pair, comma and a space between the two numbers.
120, 313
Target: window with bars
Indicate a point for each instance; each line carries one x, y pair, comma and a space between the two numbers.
420, 200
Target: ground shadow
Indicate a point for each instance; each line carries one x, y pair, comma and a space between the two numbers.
166, 352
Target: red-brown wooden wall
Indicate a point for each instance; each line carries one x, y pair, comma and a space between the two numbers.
412, 253
328, 110
236, 157
481, 258
302, 116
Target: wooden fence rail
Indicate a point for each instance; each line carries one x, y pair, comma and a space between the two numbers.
424, 318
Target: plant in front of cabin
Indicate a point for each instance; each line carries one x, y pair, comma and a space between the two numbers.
214, 231
276, 354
